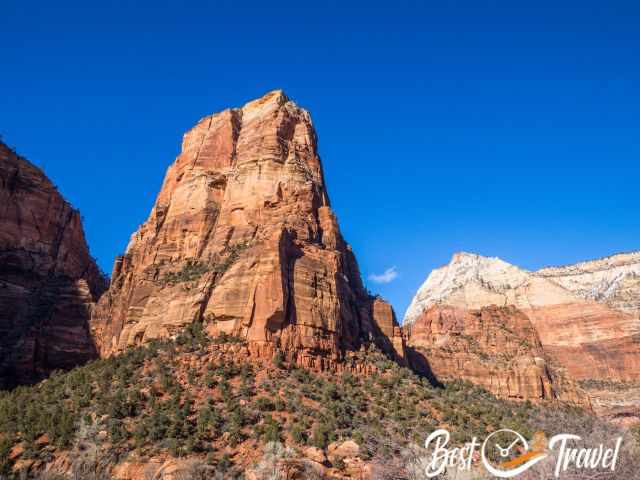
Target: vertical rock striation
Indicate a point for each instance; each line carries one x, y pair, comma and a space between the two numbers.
242, 238
48, 280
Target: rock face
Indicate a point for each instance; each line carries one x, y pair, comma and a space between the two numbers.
472, 281
568, 336
48, 280
496, 347
242, 238
614, 280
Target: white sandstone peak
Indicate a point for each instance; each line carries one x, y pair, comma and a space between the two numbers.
614, 280
465, 278
474, 281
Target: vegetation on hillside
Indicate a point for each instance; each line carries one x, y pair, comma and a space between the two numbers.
192, 269
192, 398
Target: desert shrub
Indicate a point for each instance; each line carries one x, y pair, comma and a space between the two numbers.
298, 433
229, 257
264, 404
320, 437
5, 448
157, 424
280, 404
191, 270
117, 431
225, 463
269, 429
278, 360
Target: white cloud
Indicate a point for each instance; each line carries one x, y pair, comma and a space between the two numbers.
389, 275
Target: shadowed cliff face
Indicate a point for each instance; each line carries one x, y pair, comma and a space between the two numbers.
48, 280
242, 238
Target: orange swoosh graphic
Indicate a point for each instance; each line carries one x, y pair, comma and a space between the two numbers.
525, 457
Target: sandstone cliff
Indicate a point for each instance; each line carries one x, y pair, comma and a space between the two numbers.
496, 347
48, 280
579, 339
243, 239
613, 280
588, 339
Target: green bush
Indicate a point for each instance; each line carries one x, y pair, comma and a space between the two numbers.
6, 444
270, 429
278, 360
320, 437
264, 404
230, 256
298, 433
191, 270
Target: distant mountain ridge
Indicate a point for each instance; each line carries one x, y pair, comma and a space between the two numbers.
585, 317
473, 281
613, 280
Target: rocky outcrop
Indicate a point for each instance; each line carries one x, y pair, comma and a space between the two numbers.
580, 339
243, 239
496, 347
613, 281
48, 280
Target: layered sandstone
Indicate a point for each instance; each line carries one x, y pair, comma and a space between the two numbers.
613, 280
242, 237
495, 347
588, 339
48, 280
579, 339
472, 281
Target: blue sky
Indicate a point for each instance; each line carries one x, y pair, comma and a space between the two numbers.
503, 128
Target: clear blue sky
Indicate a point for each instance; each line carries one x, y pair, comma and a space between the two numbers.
481, 126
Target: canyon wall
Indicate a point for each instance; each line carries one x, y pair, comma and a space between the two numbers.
496, 347
48, 280
571, 337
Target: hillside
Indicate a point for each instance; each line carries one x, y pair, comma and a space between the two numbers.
187, 409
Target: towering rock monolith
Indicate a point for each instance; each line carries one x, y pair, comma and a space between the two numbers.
243, 239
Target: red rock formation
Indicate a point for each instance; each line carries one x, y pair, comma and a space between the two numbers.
495, 347
590, 340
242, 237
580, 339
48, 280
